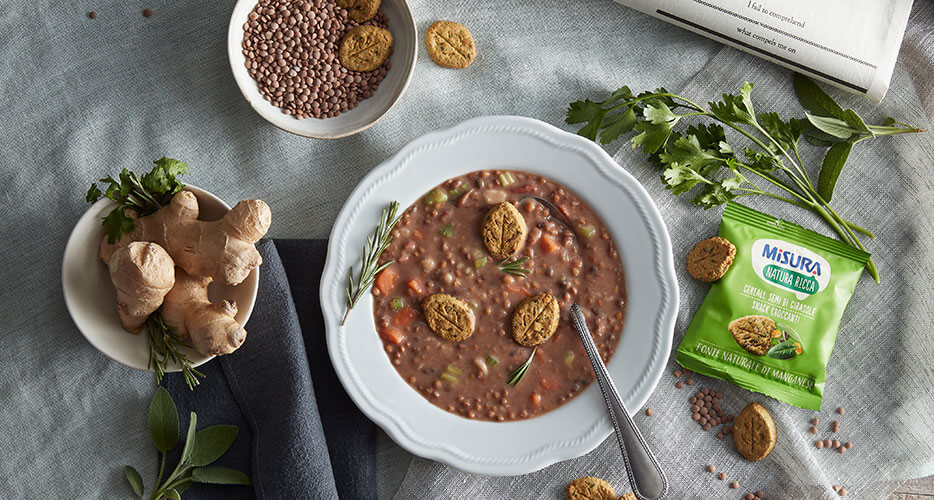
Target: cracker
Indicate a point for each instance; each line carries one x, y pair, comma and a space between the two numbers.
753, 333
360, 10
449, 317
535, 320
450, 45
503, 230
628, 496
710, 259
754, 432
590, 488
365, 48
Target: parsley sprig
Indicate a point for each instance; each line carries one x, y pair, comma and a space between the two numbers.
699, 158
143, 194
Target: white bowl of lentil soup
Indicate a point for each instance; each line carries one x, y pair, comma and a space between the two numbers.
285, 58
463, 350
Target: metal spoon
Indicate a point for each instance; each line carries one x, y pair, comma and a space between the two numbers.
646, 477
553, 211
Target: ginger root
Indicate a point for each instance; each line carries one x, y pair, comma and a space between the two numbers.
142, 274
222, 250
171, 257
210, 327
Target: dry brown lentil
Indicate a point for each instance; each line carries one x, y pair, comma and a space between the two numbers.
722, 476
147, 12
649, 412
92, 15
711, 468
734, 485
290, 48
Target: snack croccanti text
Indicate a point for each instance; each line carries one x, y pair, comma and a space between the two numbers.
769, 324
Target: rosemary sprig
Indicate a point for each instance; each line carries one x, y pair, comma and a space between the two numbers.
164, 346
520, 372
514, 267
375, 245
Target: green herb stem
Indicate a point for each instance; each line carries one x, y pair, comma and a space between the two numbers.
516, 376
376, 244
514, 267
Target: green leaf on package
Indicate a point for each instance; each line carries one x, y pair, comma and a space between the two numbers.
163, 420
784, 350
211, 442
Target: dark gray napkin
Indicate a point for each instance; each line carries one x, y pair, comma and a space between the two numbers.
296, 439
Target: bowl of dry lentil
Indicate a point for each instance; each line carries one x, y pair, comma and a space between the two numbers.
284, 55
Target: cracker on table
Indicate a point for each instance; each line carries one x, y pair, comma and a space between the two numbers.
450, 45
590, 488
754, 432
710, 259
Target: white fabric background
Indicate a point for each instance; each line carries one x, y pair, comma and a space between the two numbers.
82, 98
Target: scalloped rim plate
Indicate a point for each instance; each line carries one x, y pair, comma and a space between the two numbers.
520, 447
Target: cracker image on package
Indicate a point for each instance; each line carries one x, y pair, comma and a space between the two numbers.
769, 324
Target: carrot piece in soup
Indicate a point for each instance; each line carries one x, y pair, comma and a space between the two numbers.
548, 244
536, 399
548, 384
392, 335
386, 280
404, 317
416, 287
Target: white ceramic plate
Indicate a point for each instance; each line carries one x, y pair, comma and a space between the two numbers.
368, 112
90, 297
510, 448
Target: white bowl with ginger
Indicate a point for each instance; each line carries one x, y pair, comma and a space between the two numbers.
92, 301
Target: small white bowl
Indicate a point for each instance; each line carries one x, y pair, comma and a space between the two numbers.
90, 297
368, 111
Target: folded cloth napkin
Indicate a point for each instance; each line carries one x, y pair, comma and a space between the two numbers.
296, 439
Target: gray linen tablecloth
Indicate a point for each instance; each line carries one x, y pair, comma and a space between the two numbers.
82, 98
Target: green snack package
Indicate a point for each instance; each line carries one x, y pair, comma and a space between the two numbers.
769, 324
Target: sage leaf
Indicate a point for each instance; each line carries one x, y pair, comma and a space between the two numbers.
832, 126
172, 495
211, 442
784, 350
853, 120
831, 168
190, 439
814, 99
135, 480
163, 420
220, 475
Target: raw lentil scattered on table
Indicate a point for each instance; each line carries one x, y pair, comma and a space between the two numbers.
649, 412
147, 12
819, 444
815, 421
734, 485
291, 50
721, 476
813, 430
843, 492
711, 468
835, 426
847, 445
92, 15
840, 410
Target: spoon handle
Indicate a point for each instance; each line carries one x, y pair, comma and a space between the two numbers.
646, 477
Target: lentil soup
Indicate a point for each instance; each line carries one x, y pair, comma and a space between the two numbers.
437, 249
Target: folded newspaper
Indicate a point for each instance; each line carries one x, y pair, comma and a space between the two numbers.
850, 44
